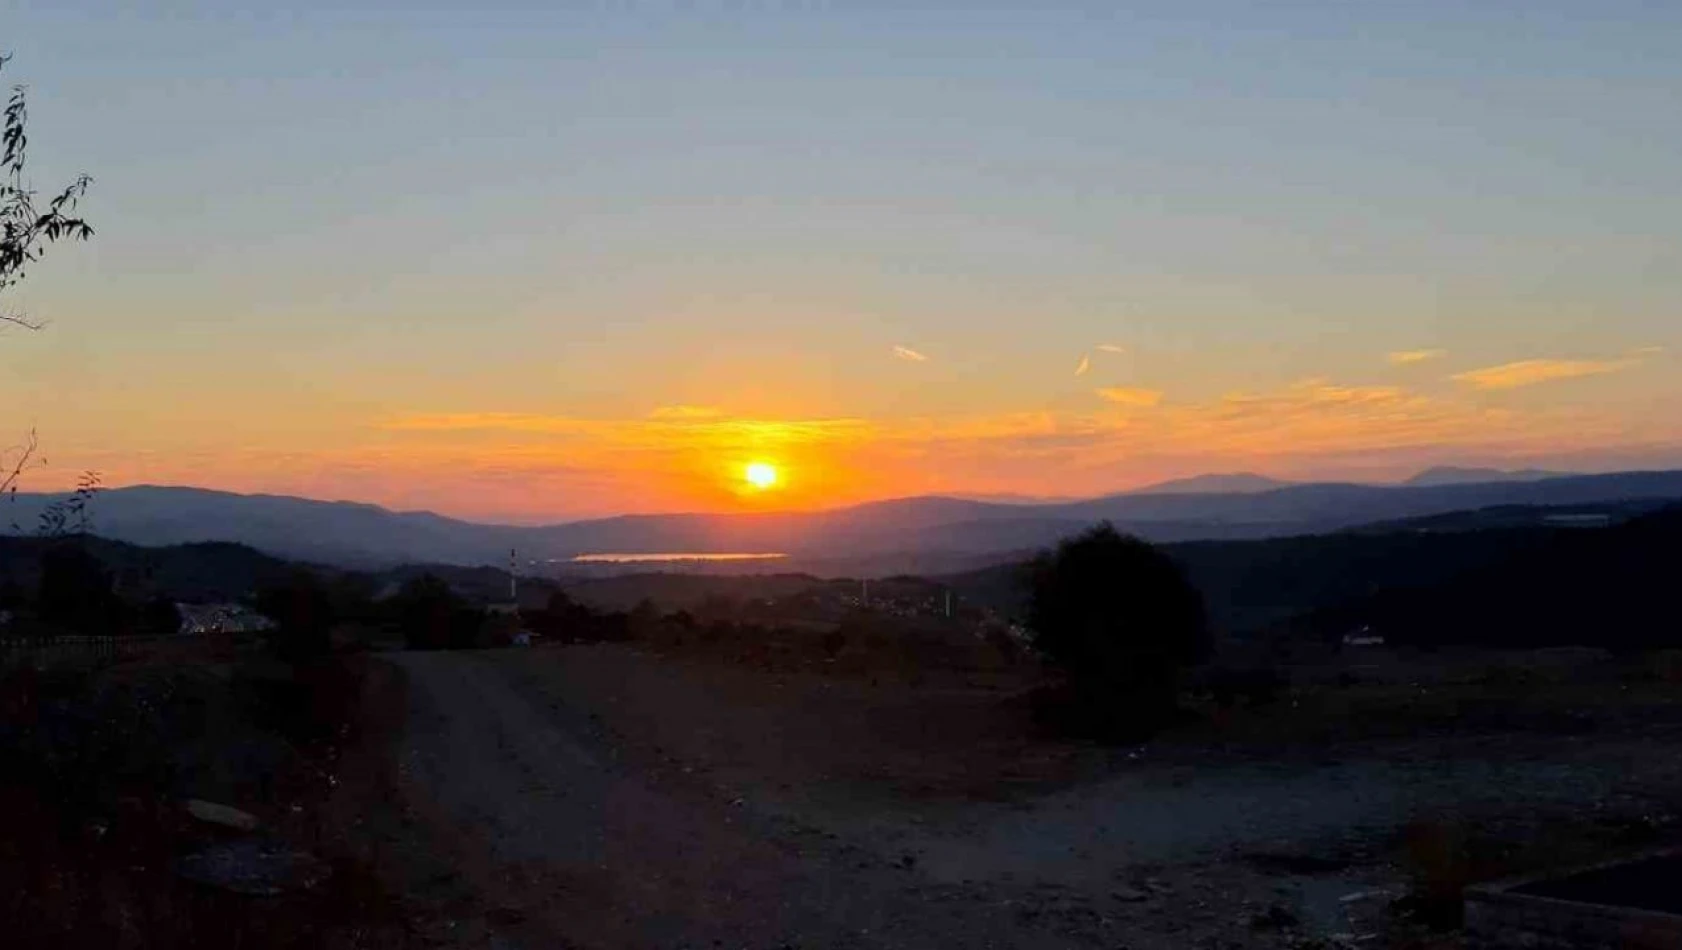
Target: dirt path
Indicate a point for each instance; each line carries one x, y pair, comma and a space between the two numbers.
606, 798
591, 853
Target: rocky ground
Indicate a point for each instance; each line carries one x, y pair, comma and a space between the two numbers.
602, 796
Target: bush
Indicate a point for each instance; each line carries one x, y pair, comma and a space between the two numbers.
75, 593
302, 610
160, 617
1123, 623
433, 617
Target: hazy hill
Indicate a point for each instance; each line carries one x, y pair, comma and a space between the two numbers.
915, 533
1236, 483
1453, 475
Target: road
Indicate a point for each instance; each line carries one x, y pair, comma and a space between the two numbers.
596, 853
608, 798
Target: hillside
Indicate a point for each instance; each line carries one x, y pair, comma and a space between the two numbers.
1455, 475
1613, 588
924, 534
209, 571
1252, 586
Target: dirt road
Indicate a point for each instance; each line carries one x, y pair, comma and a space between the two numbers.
605, 798
597, 853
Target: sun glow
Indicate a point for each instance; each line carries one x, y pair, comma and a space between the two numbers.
761, 475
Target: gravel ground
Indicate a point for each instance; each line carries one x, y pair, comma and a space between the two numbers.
602, 797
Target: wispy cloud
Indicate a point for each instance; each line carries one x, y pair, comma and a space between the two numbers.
1130, 396
1645, 351
686, 412
909, 354
1085, 364
1406, 357
1531, 372
1112, 348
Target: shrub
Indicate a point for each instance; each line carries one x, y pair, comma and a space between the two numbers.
75, 593
302, 610
1123, 623
433, 617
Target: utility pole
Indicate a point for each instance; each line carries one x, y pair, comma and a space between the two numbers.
513, 589
948, 603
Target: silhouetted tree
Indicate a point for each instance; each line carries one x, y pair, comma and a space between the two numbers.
644, 619
433, 617
75, 593
26, 228
561, 618
352, 596
302, 609
160, 616
1121, 620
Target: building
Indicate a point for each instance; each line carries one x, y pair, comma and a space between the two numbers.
1363, 636
221, 618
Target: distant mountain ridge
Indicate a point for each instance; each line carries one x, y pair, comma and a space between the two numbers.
1235, 483
1455, 475
913, 531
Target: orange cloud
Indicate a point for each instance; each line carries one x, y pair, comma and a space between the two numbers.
686, 412
1531, 372
1085, 364
909, 354
1409, 357
1129, 396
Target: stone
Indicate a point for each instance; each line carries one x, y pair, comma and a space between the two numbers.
225, 815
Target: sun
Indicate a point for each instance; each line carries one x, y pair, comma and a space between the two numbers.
761, 475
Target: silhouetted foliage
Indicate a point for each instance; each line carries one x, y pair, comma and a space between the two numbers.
25, 231
433, 617
160, 617
302, 609
1121, 620
25, 228
75, 593
72, 513
564, 620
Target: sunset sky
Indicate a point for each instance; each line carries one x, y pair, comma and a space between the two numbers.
523, 264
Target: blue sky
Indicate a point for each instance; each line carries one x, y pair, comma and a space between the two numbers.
323, 233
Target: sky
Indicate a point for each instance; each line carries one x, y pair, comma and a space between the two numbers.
528, 263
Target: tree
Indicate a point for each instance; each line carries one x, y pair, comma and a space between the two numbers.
75, 593
1121, 620
160, 616
433, 617
26, 229
302, 610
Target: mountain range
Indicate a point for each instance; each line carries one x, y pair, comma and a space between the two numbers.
923, 533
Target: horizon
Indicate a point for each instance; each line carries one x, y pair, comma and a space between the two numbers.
1001, 501
524, 266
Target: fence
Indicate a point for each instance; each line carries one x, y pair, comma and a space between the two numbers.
75, 650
